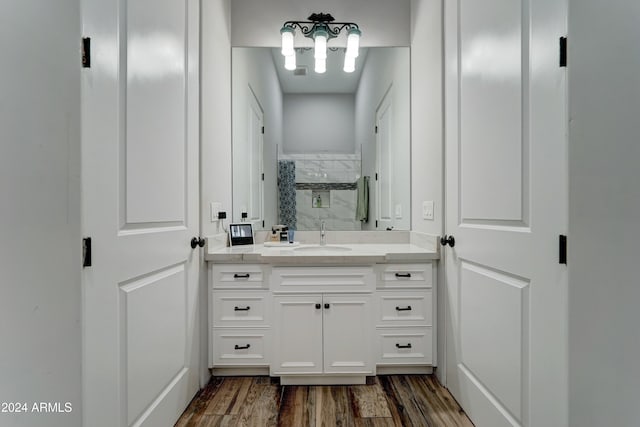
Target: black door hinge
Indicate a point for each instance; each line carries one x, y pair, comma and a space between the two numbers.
263, 223
376, 176
263, 177
86, 252
376, 129
562, 249
86, 52
376, 223
263, 130
563, 51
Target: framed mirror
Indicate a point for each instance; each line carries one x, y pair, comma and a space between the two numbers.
332, 147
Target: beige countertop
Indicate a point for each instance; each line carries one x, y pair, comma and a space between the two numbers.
334, 254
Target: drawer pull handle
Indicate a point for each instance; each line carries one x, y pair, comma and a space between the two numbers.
242, 347
407, 308
236, 308
241, 276
404, 275
403, 346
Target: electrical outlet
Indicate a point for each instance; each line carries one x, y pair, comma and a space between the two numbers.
427, 209
215, 208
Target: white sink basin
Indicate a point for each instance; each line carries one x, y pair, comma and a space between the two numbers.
326, 248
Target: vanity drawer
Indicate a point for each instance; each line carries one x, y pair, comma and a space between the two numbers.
410, 346
236, 276
240, 347
240, 309
405, 275
404, 308
322, 279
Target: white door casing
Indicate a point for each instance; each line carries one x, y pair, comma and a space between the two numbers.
140, 199
255, 126
506, 205
384, 199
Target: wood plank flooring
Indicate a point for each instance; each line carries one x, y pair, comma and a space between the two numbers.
394, 400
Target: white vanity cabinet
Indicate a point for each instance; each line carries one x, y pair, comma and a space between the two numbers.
405, 307
239, 316
322, 324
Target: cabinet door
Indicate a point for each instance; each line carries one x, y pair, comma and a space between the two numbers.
347, 334
297, 335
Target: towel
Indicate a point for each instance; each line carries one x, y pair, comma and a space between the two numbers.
362, 204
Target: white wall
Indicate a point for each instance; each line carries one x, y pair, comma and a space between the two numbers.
386, 67
604, 211
319, 123
40, 259
254, 68
215, 111
426, 114
258, 22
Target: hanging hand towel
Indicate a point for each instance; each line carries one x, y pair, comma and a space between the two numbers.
362, 206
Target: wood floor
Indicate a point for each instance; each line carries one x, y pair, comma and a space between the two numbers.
395, 400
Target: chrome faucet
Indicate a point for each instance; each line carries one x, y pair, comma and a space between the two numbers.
323, 237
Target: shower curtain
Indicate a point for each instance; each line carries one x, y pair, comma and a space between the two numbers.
287, 192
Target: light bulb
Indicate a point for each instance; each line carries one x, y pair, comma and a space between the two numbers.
353, 42
321, 65
287, 41
320, 38
349, 64
290, 62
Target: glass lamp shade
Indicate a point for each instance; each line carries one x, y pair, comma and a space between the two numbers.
287, 41
321, 65
320, 37
290, 62
353, 42
349, 64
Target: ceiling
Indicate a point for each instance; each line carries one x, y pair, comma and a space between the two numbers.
334, 80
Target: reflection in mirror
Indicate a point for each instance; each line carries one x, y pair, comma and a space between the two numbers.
330, 147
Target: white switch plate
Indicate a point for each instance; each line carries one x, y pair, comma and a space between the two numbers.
427, 209
215, 208
398, 211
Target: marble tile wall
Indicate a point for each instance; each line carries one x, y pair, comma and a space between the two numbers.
326, 168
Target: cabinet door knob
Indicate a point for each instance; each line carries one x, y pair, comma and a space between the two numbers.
326, 305
318, 306
242, 347
403, 346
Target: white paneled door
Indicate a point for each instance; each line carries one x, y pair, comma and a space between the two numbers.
506, 204
140, 201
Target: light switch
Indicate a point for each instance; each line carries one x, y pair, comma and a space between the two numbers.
215, 208
427, 209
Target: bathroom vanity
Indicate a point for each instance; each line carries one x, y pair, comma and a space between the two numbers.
330, 314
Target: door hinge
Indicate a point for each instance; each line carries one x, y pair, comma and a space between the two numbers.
263, 223
562, 249
376, 223
86, 252
376, 176
263, 176
86, 52
563, 51
376, 129
263, 130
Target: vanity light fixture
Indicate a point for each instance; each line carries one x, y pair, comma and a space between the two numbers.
320, 28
